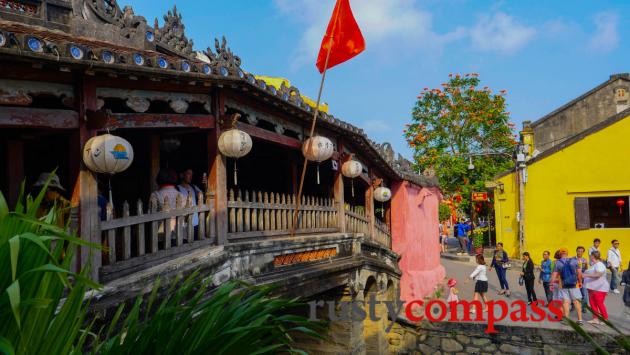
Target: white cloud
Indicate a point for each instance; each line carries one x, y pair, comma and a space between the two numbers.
375, 126
500, 33
606, 36
383, 23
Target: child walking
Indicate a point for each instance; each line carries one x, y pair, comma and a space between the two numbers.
481, 281
452, 291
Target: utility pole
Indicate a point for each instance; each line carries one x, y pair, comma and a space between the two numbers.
521, 175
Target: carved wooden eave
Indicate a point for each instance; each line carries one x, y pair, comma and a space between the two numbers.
165, 53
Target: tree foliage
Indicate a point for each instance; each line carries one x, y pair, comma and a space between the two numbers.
456, 122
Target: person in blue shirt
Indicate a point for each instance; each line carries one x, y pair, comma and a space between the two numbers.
461, 229
546, 268
500, 262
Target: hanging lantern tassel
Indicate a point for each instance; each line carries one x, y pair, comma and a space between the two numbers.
352, 183
111, 199
317, 173
235, 173
382, 210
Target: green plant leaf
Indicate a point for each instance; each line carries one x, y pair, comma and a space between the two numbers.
14, 246
5, 346
14, 299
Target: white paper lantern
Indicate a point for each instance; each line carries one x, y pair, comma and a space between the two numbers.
235, 143
107, 154
351, 169
317, 148
382, 194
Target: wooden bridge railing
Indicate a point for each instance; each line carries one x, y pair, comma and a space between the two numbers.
356, 220
155, 232
259, 214
382, 234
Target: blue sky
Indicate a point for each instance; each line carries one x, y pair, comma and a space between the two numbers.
544, 53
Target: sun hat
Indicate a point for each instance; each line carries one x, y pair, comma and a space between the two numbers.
51, 178
452, 282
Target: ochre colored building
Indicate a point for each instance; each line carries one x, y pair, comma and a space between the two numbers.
577, 189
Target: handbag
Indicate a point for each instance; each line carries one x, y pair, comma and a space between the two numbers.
506, 265
521, 281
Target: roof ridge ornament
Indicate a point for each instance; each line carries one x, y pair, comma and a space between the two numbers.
223, 56
172, 35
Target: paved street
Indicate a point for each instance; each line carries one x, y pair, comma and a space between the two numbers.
618, 313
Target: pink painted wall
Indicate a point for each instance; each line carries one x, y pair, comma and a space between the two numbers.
415, 236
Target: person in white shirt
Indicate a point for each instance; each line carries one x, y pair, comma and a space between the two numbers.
597, 285
614, 264
187, 188
481, 281
595, 247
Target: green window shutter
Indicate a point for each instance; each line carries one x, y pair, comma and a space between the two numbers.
582, 217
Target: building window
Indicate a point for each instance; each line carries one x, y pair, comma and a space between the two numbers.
602, 212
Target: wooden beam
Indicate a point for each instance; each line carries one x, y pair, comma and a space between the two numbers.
271, 137
38, 118
153, 120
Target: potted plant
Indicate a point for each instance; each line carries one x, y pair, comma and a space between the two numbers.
478, 239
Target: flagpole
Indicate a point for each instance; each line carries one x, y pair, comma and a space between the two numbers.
312, 131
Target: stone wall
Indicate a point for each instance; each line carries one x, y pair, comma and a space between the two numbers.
469, 338
580, 115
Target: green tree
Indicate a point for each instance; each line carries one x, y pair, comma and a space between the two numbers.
444, 212
457, 122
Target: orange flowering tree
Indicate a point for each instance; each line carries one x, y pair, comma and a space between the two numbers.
458, 121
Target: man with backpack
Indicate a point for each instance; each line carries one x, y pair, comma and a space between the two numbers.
569, 273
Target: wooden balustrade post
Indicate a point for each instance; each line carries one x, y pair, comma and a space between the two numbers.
126, 234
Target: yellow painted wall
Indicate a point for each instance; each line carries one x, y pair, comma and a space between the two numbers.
598, 165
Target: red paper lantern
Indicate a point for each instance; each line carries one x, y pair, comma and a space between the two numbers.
620, 203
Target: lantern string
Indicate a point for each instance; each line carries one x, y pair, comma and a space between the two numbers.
109, 182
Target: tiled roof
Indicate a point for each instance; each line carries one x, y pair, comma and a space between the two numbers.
105, 37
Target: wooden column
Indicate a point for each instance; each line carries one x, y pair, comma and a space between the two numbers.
15, 171
218, 178
339, 198
155, 160
369, 209
85, 190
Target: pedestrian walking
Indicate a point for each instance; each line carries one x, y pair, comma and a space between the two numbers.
461, 229
568, 272
545, 275
594, 247
554, 283
614, 264
481, 281
597, 286
501, 262
528, 276
625, 281
444, 232
583, 265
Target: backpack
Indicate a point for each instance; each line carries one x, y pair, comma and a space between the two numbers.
568, 274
